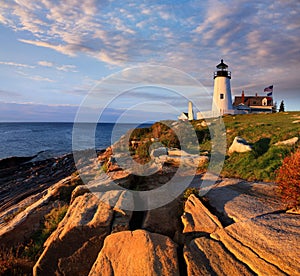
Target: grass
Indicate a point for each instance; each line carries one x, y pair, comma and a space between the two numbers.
33, 249
262, 131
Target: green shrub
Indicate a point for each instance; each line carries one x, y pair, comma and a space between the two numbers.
190, 191
51, 221
143, 151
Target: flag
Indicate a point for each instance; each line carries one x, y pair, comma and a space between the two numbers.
269, 89
269, 94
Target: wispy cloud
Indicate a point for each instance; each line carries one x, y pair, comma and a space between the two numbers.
64, 67
45, 63
154, 32
35, 77
11, 63
67, 68
258, 38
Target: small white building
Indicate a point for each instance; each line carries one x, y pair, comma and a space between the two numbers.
187, 116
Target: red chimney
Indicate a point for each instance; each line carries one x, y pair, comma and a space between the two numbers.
243, 97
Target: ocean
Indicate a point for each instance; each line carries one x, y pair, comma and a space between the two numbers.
52, 139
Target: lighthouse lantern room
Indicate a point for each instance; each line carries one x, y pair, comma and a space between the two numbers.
222, 100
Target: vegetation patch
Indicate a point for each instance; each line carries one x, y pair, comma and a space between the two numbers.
262, 131
34, 248
288, 179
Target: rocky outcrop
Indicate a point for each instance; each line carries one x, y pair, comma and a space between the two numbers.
27, 214
189, 160
197, 218
268, 244
137, 253
205, 256
81, 233
241, 200
101, 235
239, 145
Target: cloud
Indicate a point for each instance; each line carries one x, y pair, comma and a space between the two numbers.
67, 68
45, 63
10, 63
189, 35
35, 77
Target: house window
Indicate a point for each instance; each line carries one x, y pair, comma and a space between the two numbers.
221, 96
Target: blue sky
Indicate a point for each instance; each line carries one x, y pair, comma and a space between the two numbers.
54, 52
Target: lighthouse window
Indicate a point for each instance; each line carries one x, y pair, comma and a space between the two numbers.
221, 96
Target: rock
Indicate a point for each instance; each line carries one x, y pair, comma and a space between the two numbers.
268, 244
239, 145
177, 152
29, 213
136, 253
197, 218
289, 142
189, 160
204, 256
78, 191
159, 152
80, 234
164, 220
241, 200
14, 161
123, 213
296, 122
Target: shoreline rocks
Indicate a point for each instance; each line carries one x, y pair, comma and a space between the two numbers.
176, 239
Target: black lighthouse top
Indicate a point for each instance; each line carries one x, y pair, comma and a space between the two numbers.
222, 70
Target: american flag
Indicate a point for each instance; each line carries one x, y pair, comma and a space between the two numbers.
269, 89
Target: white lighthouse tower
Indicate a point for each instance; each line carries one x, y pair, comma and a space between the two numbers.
222, 101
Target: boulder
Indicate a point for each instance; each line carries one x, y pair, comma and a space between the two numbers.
268, 244
204, 256
177, 152
289, 142
190, 160
136, 253
239, 145
159, 152
197, 218
78, 191
81, 233
241, 200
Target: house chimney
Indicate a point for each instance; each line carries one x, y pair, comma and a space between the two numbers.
243, 97
255, 94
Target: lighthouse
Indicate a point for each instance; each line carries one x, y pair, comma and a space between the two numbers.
222, 101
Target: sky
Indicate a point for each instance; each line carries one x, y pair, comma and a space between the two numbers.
145, 59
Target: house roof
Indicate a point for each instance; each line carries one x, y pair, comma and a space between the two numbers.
252, 100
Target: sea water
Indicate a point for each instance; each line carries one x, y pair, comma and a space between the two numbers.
52, 139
